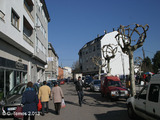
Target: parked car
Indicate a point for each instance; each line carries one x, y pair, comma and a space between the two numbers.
112, 88
147, 102
95, 85
13, 98
61, 82
87, 81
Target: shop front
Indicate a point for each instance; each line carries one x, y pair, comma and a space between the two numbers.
11, 74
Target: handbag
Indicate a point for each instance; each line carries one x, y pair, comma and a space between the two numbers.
39, 105
63, 105
19, 112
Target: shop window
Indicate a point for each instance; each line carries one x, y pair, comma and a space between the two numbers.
15, 19
1, 83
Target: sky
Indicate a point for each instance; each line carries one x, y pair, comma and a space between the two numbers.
76, 22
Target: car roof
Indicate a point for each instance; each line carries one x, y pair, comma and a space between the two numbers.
155, 78
114, 78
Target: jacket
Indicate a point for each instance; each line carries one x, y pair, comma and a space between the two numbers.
79, 85
57, 94
29, 100
44, 93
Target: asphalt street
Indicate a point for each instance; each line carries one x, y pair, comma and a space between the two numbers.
94, 107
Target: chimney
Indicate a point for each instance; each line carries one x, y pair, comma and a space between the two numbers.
105, 31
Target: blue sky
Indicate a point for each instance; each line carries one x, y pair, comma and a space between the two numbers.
75, 22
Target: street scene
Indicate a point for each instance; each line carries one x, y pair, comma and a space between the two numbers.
79, 60
94, 107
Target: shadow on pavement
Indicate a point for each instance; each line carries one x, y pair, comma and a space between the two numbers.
112, 115
52, 111
71, 103
98, 100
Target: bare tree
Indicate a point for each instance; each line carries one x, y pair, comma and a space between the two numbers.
138, 63
129, 39
98, 61
76, 66
108, 54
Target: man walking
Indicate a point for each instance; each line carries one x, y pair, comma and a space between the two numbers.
79, 89
44, 94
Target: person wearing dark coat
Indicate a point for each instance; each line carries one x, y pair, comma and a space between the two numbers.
79, 89
30, 101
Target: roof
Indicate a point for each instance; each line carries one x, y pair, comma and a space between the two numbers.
51, 48
92, 42
45, 10
155, 78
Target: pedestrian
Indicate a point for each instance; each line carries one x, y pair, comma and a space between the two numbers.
57, 95
44, 94
79, 89
30, 101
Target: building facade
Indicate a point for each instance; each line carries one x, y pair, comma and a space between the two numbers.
51, 71
23, 42
60, 73
94, 48
68, 72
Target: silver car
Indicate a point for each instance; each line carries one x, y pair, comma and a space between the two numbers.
13, 99
95, 85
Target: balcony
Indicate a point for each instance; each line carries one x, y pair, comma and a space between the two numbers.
27, 39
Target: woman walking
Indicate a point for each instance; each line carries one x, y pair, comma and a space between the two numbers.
57, 97
30, 101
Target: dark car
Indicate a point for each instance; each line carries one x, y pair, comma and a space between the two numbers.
87, 81
13, 99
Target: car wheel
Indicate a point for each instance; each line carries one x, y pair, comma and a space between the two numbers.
131, 112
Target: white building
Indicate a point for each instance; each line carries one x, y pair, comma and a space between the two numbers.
51, 71
23, 41
67, 72
119, 65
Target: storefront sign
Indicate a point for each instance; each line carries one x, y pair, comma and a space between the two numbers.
19, 65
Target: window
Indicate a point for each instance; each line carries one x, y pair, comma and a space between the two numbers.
154, 93
143, 93
29, 5
94, 48
15, 19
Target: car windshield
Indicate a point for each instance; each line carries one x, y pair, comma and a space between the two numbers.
97, 82
18, 90
114, 83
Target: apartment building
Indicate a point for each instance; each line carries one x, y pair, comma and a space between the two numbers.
60, 73
51, 71
67, 72
23, 42
119, 65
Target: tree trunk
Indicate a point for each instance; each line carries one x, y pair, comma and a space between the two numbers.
99, 74
132, 78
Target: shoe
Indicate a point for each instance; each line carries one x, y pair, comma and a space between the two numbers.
42, 114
